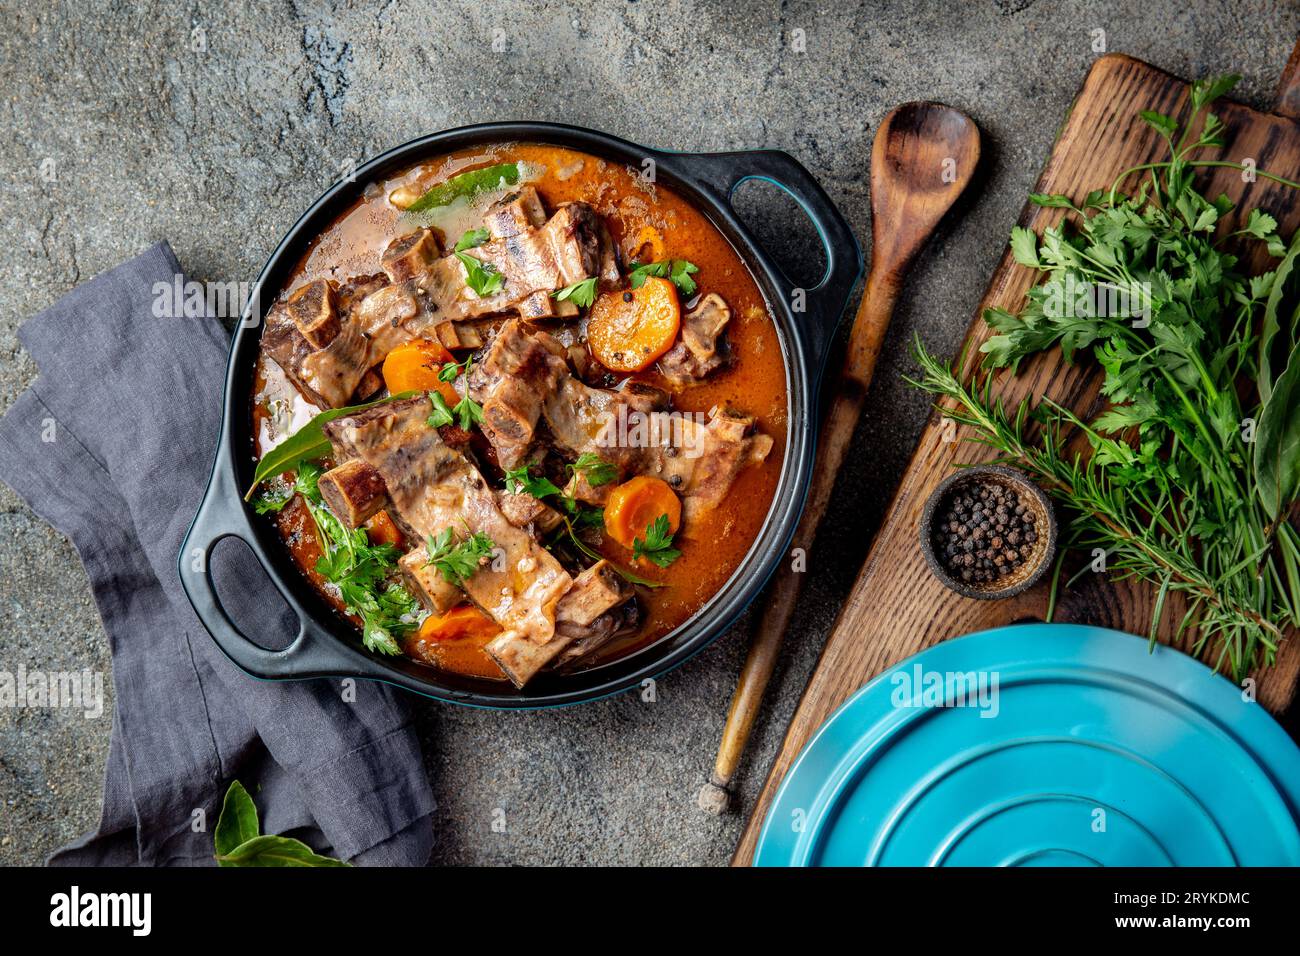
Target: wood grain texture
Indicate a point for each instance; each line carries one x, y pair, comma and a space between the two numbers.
897, 608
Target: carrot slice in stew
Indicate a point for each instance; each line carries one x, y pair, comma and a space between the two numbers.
462, 621
414, 366
628, 330
381, 529
648, 236
638, 503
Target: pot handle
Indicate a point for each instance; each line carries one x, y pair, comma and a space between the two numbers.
824, 303
312, 653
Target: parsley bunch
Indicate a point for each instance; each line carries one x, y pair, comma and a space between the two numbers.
1194, 466
362, 572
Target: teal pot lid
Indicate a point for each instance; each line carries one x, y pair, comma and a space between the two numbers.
1042, 745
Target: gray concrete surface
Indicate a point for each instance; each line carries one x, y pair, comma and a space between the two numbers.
218, 150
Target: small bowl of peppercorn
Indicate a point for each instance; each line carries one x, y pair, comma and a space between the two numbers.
988, 532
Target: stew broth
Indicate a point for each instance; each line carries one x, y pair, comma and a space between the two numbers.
647, 222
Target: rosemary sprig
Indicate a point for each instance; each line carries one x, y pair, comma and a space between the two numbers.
1150, 545
1193, 470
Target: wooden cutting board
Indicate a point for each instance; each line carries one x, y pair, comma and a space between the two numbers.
897, 607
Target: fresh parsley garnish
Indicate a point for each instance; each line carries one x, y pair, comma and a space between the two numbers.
482, 277
575, 517
580, 293
657, 545
519, 480
451, 370
678, 270
362, 572
471, 239
272, 500
589, 517
595, 469
458, 560
441, 414
304, 483
598, 472
466, 413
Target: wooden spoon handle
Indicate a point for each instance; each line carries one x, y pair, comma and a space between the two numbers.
923, 157
870, 325
1288, 87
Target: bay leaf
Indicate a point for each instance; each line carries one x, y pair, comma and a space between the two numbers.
276, 851
238, 822
1277, 442
309, 442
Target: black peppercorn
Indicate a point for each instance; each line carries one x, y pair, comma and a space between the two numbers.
984, 532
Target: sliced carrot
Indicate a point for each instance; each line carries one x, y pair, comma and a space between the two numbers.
627, 331
381, 529
462, 621
639, 502
414, 366
651, 237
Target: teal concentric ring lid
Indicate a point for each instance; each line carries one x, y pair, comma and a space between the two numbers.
1042, 745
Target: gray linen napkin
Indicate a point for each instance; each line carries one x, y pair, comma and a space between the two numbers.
112, 445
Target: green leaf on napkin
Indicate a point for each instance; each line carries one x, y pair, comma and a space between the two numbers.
276, 851
238, 843
238, 822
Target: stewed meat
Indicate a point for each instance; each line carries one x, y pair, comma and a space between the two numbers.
353, 491
434, 488
696, 352
570, 247
314, 310
429, 585
327, 352
551, 491
511, 383
515, 213
595, 592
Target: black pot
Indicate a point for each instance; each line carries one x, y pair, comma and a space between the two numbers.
329, 646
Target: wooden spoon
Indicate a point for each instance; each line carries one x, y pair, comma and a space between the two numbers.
923, 157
